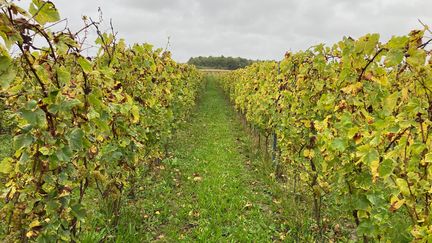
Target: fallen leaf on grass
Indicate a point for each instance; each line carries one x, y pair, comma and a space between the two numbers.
31, 234
248, 205
277, 201
194, 213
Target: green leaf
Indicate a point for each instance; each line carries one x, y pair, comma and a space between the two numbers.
102, 124
78, 211
52, 206
94, 100
372, 42
76, 138
6, 165
416, 58
85, 64
403, 186
386, 168
397, 42
394, 57
371, 159
44, 11
135, 113
339, 144
64, 154
367, 44
45, 151
7, 73
63, 75
428, 157
371, 156
366, 227
35, 118
31, 105
7, 78
376, 199
68, 105
22, 140
5, 63
390, 102
361, 202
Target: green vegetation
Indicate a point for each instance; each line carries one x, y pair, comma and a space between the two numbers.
217, 203
83, 129
5, 145
227, 63
114, 149
213, 187
6, 120
353, 125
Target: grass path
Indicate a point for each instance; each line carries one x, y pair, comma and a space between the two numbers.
211, 189
221, 198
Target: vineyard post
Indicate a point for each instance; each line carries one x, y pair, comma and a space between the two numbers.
259, 139
275, 143
274, 151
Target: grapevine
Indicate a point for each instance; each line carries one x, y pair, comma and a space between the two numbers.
81, 123
353, 123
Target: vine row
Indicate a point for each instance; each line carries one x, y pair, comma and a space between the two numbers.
353, 123
80, 123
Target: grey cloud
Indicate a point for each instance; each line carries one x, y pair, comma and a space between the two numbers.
249, 28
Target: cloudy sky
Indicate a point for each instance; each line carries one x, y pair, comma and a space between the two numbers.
257, 29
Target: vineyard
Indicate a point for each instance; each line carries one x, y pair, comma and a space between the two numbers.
330, 144
81, 125
353, 124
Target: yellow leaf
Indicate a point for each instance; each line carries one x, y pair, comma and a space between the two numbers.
306, 123
374, 169
129, 99
45, 151
100, 138
405, 94
353, 88
277, 201
248, 205
30, 234
308, 153
35, 223
381, 80
403, 186
396, 203
93, 149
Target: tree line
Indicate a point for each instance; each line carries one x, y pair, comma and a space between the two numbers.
230, 63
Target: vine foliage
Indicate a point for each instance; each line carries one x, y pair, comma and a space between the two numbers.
81, 124
354, 123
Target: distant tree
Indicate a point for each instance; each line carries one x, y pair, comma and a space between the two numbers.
230, 63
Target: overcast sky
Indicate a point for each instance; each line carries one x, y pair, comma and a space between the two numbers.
256, 29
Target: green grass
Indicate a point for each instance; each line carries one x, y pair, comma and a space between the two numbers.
220, 198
